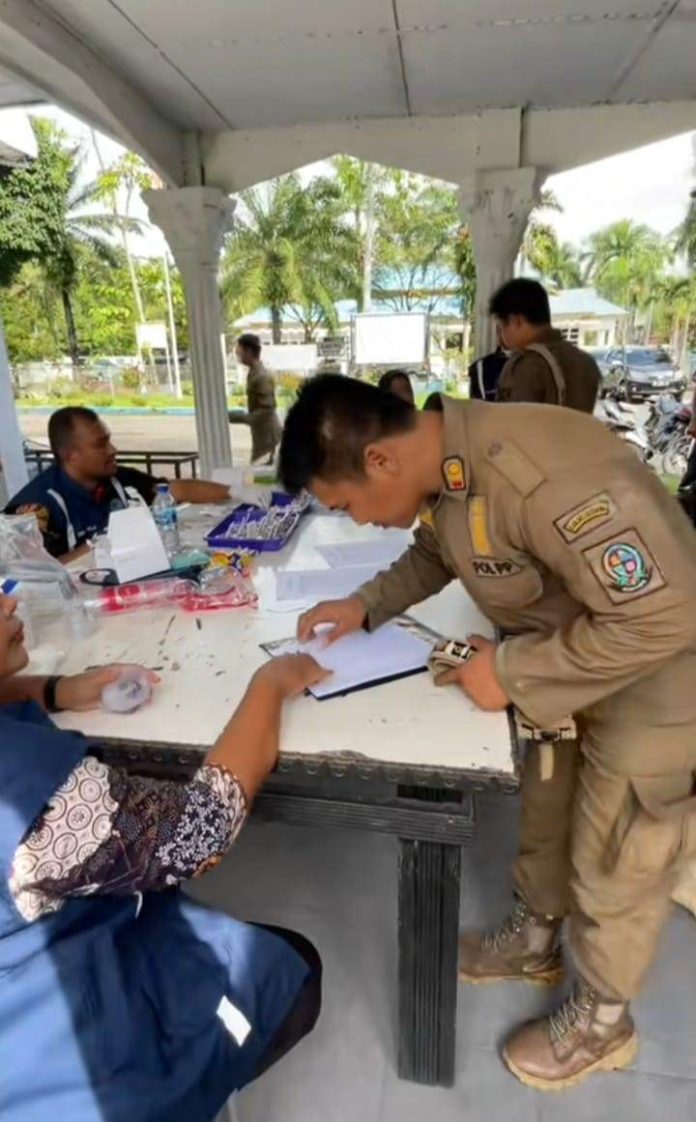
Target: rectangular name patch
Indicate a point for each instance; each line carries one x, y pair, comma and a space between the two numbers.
495, 567
586, 517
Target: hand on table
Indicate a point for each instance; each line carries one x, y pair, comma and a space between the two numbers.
292, 674
478, 677
345, 616
81, 692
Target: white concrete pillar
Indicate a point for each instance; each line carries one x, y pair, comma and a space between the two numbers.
13, 468
194, 221
496, 205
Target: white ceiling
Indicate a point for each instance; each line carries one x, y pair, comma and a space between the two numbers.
243, 64
14, 92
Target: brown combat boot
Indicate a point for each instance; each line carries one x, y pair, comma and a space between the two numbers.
587, 1033
524, 948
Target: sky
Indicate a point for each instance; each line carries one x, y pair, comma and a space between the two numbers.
649, 185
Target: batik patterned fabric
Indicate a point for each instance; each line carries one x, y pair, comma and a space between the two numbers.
110, 832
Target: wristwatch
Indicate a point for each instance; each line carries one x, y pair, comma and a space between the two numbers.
49, 694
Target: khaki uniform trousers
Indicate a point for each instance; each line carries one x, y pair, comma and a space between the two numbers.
604, 839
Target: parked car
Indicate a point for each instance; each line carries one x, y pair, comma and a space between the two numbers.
601, 356
641, 372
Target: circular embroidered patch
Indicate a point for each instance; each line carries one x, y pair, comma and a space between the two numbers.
625, 566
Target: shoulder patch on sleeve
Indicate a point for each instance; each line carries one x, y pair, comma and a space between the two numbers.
517, 468
586, 517
625, 567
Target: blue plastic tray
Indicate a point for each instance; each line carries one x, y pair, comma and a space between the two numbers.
223, 535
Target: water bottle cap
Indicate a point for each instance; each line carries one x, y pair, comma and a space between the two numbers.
162, 488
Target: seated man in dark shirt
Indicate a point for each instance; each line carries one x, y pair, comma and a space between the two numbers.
72, 499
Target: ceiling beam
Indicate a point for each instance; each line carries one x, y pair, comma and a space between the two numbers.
448, 148
42, 51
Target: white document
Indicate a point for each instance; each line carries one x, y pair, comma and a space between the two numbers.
361, 659
136, 547
321, 584
378, 552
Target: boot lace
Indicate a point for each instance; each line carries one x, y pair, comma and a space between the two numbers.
510, 927
576, 1008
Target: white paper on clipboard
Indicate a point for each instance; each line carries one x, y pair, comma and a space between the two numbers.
360, 659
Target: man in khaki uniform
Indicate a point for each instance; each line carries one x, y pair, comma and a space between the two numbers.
589, 568
544, 367
261, 413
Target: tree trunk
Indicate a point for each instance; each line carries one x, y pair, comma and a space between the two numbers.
137, 299
73, 344
276, 335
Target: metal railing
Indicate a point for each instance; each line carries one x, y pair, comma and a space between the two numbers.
40, 458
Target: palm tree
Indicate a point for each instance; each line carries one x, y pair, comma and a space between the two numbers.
626, 262
77, 229
555, 261
289, 247
128, 174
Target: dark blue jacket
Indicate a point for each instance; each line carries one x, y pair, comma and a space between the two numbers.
109, 1007
68, 514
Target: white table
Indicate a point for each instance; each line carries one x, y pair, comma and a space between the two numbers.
402, 758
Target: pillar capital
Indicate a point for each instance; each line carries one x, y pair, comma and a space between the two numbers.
495, 204
194, 221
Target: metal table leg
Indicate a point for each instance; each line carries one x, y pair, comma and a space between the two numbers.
429, 879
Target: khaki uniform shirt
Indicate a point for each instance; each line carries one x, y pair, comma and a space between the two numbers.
565, 539
528, 376
261, 408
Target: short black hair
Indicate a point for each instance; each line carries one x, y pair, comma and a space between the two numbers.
387, 380
61, 426
521, 297
330, 425
250, 342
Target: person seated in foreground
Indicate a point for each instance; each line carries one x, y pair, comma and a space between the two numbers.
399, 383
72, 499
122, 1000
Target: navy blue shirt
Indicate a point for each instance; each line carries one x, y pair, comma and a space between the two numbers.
484, 375
68, 514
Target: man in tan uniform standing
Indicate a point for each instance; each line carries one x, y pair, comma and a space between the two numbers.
589, 568
544, 367
261, 413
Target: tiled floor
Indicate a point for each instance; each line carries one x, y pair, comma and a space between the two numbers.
339, 888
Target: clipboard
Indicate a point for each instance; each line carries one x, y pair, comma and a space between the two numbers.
364, 660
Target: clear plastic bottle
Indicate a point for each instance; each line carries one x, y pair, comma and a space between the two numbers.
165, 516
144, 594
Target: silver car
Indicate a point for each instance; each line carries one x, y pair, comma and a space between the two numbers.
641, 372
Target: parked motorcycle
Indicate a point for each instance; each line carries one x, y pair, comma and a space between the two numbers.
667, 431
621, 419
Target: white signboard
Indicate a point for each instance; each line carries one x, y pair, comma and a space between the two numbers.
400, 339
151, 336
300, 358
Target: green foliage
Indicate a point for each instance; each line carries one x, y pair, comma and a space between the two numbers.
556, 262
288, 248
417, 222
288, 384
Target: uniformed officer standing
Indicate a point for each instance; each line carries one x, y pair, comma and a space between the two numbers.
590, 569
544, 367
261, 413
